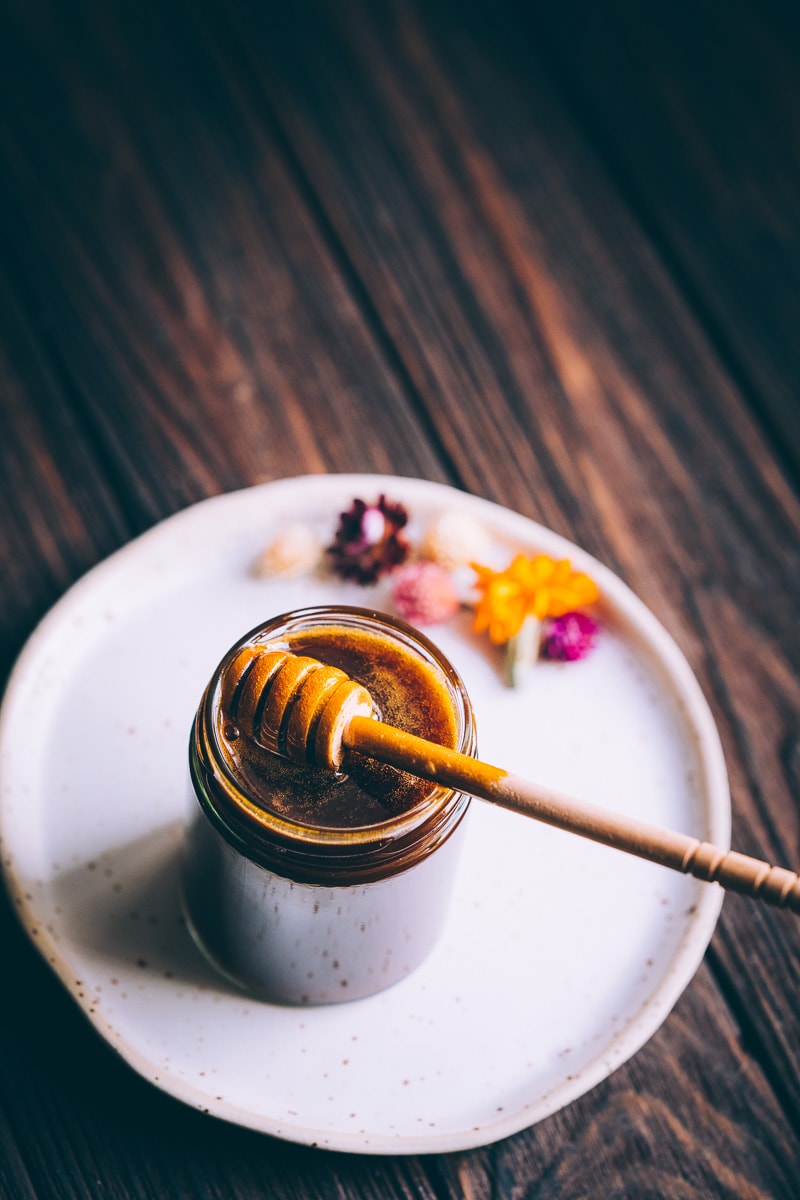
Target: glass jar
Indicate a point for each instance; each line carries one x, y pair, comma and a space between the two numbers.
305, 887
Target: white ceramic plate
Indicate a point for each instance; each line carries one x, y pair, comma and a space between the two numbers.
560, 958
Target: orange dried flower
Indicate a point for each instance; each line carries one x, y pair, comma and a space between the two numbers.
540, 587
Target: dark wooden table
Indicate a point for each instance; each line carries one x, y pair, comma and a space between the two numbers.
547, 253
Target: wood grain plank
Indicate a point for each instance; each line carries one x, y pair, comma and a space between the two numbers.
14, 1179
179, 276
58, 512
708, 154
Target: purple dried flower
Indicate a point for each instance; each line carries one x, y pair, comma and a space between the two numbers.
369, 542
569, 638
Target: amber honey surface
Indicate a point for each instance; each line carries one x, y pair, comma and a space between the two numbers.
407, 692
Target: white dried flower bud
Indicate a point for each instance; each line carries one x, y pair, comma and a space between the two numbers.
294, 551
454, 538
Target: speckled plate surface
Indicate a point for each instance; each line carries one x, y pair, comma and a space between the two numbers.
560, 958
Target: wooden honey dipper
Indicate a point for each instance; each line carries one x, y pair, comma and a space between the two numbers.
313, 713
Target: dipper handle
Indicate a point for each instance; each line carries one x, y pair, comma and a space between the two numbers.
736, 872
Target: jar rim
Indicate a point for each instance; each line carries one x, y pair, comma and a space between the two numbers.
259, 832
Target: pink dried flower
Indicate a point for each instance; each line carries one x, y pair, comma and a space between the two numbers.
424, 594
369, 542
569, 638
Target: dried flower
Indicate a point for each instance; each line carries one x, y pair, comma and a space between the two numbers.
454, 538
368, 541
295, 550
424, 593
539, 587
569, 638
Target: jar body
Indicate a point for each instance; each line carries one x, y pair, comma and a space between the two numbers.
302, 913
312, 943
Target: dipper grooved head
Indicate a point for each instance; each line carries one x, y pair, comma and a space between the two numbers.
291, 704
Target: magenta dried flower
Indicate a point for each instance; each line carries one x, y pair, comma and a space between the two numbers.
424, 594
369, 541
569, 638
